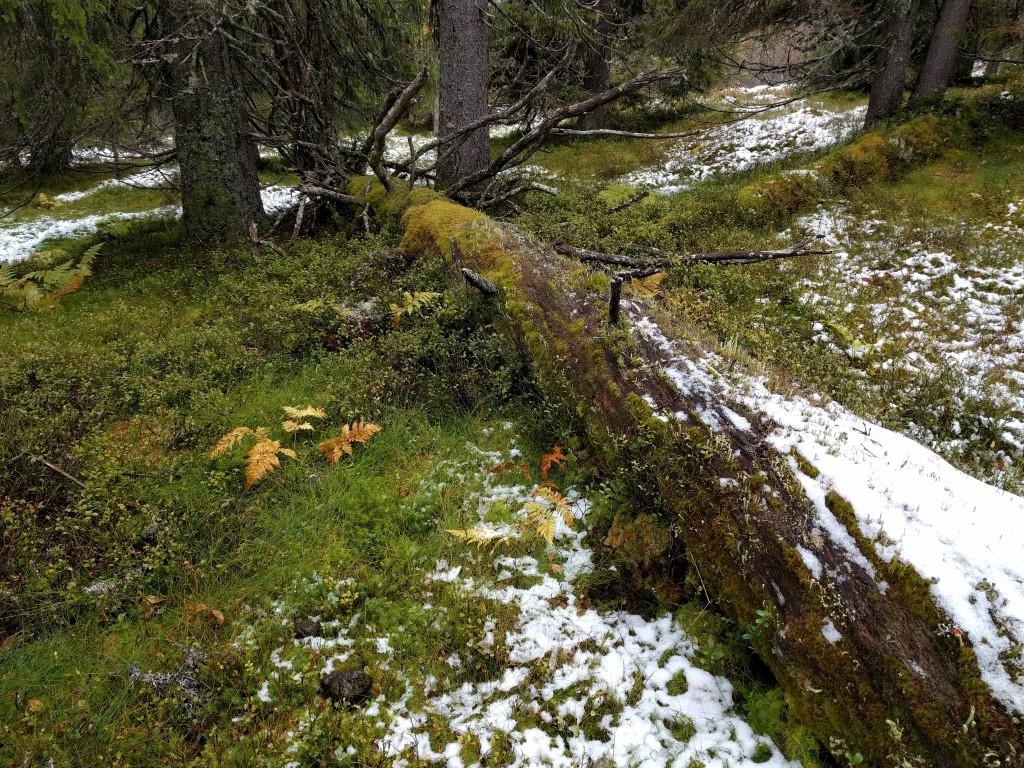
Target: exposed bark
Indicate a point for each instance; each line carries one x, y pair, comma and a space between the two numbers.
941, 59
741, 533
888, 85
462, 98
599, 67
220, 192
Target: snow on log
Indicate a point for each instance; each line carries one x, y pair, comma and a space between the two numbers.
892, 583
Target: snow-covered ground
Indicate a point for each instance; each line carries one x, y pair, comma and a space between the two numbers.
745, 142
965, 537
565, 661
148, 179
20, 240
894, 288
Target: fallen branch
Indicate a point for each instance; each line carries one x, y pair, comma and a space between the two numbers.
378, 136
58, 471
632, 201
481, 283
664, 259
592, 132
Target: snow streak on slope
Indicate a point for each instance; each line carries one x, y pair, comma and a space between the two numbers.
148, 179
739, 146
21, 240
965, 537
565, 662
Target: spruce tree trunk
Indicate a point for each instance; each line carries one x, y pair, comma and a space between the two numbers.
220, 194
889, 83
599, 70
943, 50
462, 96
739, 513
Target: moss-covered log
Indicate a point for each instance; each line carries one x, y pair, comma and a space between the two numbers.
741, 533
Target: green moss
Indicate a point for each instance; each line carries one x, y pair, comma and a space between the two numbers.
678, 685
682, 729
804, 465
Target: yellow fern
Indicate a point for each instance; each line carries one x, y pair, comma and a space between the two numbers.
411, 304
540, 519
481, 535
357, 432
648, 286
229, 440
558, 501
261, 460
306, 412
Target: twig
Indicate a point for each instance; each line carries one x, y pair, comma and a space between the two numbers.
632, 201
57, 470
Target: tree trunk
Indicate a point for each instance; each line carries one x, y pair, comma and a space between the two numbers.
53, 154
599, 70
220, 194
462, 96
941, 59
890, 82
741, 514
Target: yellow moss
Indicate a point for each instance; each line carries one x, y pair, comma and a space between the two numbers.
433, 226
862, 161
924, 138
389, 205
783, 194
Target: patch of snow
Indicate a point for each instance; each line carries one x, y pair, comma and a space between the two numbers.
148, 179
21, 240
741, 145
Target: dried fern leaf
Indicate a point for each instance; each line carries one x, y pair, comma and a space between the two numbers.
229, 440
558, 501
650, 285
294, 426
304, 412
548, 460
261, 460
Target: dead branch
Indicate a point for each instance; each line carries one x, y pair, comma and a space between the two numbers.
58, 471
379, 134
524, 147
481, 283
664, 259
632, 201
580, 133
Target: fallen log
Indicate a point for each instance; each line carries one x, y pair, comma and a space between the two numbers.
860, 650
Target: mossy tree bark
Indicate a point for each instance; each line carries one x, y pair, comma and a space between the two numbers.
220, 192
462, 88
891, 80
741, 536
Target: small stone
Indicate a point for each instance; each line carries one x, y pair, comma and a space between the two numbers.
351, 686
307, 628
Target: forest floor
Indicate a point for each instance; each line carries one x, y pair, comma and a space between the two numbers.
168, 613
